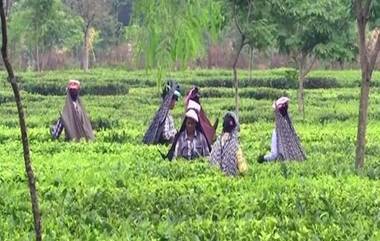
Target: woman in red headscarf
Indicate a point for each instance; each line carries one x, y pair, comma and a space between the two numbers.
74, 119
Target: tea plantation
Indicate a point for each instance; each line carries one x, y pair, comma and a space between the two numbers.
115, 188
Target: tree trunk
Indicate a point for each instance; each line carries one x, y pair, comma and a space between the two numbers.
85, 53
23, 128
236, 80
304, 68
364, 93
8, 5
301, 96
250, 62
301, 80
37, 59
362, 125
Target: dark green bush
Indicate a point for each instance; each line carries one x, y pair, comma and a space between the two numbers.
87, 89
321, 83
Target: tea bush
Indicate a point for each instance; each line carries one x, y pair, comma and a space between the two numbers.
115, 188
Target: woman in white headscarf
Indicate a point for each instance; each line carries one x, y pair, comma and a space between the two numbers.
191, 142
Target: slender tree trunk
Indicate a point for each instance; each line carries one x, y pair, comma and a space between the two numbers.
8, 5
85, 53
236, 80
301, 96
362, 125
37, 59
250, 62
305, 67
364, 94
23, 128
301, 80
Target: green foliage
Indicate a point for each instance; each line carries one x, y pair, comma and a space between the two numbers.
254, 20
45, 24
174, 32
374, 17
116, 82
310, 27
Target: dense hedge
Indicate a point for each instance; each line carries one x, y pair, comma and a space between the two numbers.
113, 82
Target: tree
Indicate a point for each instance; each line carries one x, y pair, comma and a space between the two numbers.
24, 132
37, 31
174, 32
90, 12
367, 16
312, 29
255, 27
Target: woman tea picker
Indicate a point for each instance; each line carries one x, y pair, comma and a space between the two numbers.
73, 118
162, 130
226, 152
208, 129
191, 142
285, 142
203, 126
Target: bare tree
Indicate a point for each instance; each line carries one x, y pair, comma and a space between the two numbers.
368, 56
243, 41
24, 132
90, 11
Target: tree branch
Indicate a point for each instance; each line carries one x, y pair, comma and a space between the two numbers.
242, 44
374, 53
236, 21
4, 46
308, 69
23, 128
249, 10
366, 9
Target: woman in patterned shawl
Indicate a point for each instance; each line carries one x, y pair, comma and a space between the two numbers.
162, 129
226, 152
285, 142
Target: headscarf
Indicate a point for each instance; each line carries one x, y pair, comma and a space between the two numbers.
208, 129
288, 143
73, 84
224, 155
154, 132
76, 123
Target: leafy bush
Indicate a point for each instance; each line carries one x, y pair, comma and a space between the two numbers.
117, 188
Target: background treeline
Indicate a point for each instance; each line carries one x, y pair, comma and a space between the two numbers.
58, 34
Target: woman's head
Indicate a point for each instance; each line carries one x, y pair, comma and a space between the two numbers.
73, 87
229, 123
282, 105
191, 121
283, 109
171, 86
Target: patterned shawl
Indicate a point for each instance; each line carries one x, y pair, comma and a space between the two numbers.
154, 132
208, 129
288, 143
225, 156
76, 122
